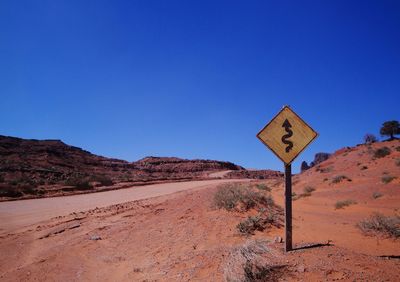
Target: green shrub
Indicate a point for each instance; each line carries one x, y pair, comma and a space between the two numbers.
381, 152
340, 178
344, 203
387, 179
376, 195
380, 224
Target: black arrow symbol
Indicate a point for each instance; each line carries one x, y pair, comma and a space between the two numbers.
286, 124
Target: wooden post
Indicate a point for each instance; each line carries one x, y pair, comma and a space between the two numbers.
288, 207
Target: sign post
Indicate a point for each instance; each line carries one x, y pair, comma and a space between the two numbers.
287, 135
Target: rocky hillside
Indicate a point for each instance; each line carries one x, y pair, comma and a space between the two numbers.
39, 167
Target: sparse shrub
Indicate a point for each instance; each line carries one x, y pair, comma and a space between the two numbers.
381, 152
9, 191
2, 179
370, 138
247, 263
258, 273
325, 179
397, 148
309, 189
259, 222
240, 197
79, 183
263, 186
23, 180
398, 162
103, 179
340, 178
306, 193
387, 179
344, 203
364, 167
379, 224
27, 189
324, 169
376, 195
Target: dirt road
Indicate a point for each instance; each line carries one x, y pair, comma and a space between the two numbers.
18, 214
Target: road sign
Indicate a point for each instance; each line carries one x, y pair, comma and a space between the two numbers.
287, 135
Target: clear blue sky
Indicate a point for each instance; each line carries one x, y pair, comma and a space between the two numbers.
197, 79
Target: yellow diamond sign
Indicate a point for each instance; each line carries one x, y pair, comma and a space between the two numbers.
287, 135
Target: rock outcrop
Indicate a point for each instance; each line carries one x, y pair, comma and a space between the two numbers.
318, 158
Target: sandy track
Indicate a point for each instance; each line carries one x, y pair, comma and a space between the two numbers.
18, 214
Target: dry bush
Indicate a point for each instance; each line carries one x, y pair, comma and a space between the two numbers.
241, 198
10, 191
253, 261
387, 179
102, 179
324, 169
263, 187
307, 191
340, 178
381, 152
379, 224
79, 183
344, 203
376, 195
260, 222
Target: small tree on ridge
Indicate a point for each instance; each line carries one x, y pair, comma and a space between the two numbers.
390, 128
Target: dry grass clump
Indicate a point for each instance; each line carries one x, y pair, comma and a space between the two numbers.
85, 182
378, 224
387, 178
376, 195
260, 222
239, 197
243, 197
251, 262
307, 191
344, 203
263, 187
340, 178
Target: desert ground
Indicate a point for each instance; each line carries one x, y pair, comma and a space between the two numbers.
174, 231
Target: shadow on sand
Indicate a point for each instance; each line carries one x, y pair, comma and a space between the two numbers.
311, 246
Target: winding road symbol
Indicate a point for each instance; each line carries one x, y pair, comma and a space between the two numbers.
286, 124
287, 135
